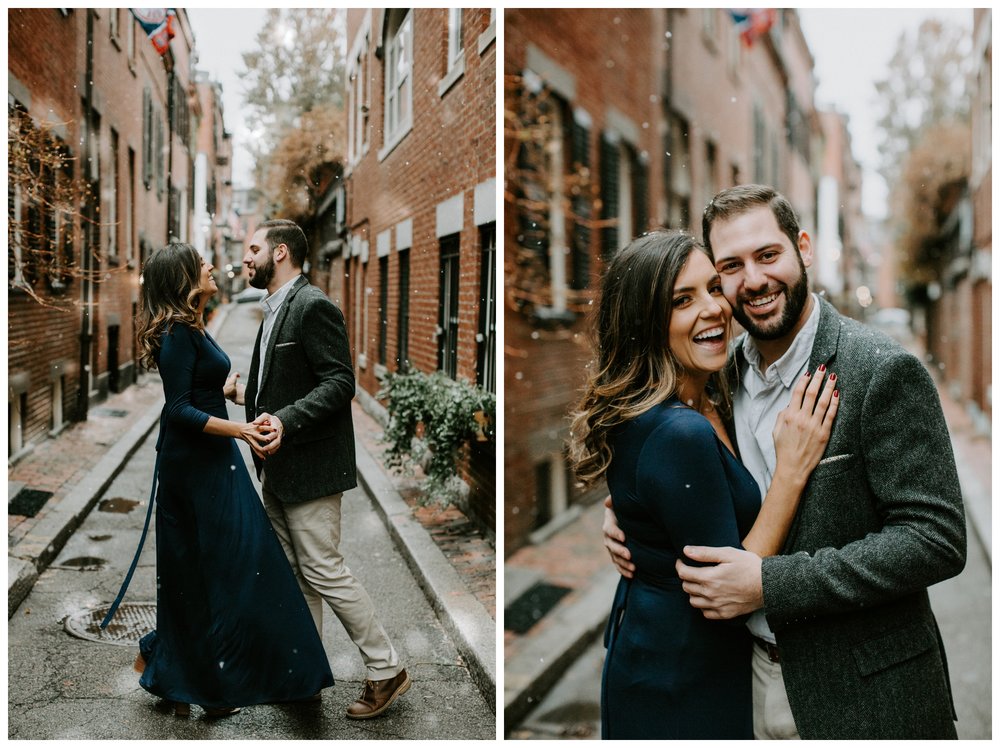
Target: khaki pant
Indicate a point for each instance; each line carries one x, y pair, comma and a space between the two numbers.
772, 717
310, 535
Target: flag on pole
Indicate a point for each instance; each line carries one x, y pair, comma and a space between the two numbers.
158, 23
752, 22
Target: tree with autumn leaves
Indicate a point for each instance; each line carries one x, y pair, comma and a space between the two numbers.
295, 106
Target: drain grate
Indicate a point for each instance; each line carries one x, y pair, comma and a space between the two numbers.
110, 412
531, 607
132, 621
28, 501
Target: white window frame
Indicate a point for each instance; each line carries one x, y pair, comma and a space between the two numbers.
398, 72
488, 36
456, 52
626, 227
359, 96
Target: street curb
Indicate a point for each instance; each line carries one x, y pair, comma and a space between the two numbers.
466, 620
33, 553
569, 630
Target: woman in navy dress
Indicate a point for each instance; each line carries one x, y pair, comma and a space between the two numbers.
232, 627
651, 424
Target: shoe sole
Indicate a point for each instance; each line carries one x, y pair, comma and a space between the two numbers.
396, 694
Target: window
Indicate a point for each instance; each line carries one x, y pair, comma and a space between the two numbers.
148, 141
358, 101
711, 172
678, 174
130, 38
486, 339
398, 78
759, 145
552, 489
448, 319
116, 192
454, 36
402, 349
114, 22
130, 209
383, 309
17, 420
15, 215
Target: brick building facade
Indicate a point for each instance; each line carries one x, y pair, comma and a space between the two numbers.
416, 265
616, 122
124, 116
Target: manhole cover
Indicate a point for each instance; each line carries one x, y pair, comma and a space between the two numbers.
117, 505
530, 607
28, 501
132, 621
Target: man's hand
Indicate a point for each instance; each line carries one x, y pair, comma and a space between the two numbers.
727, 590
614, 540
232, 390
268, 424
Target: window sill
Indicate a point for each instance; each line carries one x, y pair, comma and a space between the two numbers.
487, 37
396, 139
452, 77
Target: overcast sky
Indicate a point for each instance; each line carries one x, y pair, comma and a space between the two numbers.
851, 49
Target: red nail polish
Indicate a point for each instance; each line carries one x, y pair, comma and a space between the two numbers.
833, 377
836, 393
822, 367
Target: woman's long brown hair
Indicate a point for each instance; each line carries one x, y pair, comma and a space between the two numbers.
171, 285
634, 368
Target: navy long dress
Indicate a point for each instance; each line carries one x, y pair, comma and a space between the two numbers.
669, 672
232, 627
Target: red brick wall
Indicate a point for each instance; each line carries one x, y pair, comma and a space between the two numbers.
47, 56
451, 149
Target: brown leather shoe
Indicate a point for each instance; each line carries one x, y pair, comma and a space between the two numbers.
378, 695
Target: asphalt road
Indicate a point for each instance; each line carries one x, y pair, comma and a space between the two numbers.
64, 687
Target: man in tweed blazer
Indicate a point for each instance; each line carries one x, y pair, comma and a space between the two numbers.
299, 390
848, 647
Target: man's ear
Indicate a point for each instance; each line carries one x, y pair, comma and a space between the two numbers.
805, 248
280, 252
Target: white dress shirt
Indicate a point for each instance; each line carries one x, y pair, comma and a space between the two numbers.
270, 305
759, 400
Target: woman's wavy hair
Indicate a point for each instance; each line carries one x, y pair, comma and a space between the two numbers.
170, 283
634, 368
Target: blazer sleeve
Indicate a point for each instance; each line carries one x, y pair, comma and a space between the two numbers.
911, 470
329, 356
682, 482
178, 354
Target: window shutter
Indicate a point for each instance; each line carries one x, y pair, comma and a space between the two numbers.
579, 144
147, 138
609, 194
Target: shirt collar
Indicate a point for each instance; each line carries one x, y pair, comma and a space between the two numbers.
788, 366
271, 303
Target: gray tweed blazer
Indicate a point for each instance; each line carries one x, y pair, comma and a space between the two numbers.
880, 521
308, 382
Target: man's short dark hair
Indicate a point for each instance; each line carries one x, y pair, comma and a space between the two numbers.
734, 201
283, 231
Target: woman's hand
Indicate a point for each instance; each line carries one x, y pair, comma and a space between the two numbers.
258, 436
803, 428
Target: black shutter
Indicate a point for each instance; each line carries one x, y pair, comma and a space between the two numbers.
640, 193
580, 256
147, 138
609, 195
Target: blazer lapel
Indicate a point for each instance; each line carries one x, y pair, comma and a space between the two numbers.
278, 322
827, 335
252, 384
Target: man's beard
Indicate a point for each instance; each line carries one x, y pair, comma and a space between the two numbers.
263, 274
795, 301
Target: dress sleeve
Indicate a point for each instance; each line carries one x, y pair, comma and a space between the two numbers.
682, 481
178, 354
